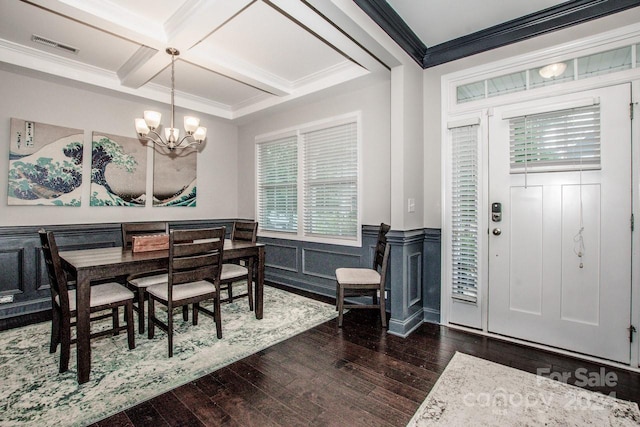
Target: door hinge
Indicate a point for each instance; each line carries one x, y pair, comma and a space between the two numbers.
631, 110
632, 330
633, 222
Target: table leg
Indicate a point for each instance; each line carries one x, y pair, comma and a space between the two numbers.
259, 290
83, 347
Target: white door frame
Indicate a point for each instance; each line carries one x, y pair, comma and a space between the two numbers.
482, 109
446, 300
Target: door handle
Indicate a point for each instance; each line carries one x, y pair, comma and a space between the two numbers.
497, 232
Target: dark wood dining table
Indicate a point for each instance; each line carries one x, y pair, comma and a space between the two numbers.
88, 265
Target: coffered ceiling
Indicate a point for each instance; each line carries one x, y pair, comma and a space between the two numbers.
239, 57
236, 57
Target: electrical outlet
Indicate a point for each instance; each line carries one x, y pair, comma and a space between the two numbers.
6, 299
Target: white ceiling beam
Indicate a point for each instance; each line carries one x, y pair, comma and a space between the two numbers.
239, 70
48, 63
318, 25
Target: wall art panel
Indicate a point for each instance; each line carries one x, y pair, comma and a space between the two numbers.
118, 171
45, 164
174, 177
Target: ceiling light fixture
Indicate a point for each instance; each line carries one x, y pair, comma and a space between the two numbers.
195, 133
552, 70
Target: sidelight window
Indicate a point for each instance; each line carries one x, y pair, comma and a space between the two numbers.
464, 213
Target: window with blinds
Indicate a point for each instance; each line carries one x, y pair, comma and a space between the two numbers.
556, 141
311, 175
464, 213
277, 162
331, 181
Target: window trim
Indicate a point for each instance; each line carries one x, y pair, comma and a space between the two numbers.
298, 130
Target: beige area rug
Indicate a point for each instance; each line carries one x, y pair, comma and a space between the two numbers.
33, 393
476, 392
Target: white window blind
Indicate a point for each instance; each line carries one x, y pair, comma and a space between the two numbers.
562, 140
278, 184
464, 212
331, 181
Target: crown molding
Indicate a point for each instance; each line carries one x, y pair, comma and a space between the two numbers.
47, 63
386, 17
551, 19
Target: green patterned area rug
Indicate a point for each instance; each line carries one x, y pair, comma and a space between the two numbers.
33, 393
475, 392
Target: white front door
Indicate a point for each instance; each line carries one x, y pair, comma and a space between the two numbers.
560, 256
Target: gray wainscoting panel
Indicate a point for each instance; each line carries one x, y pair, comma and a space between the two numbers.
406, 303
414, 278
432, 273
11, 279
23, 272
282, 257
323, 263
42, 278
318, 262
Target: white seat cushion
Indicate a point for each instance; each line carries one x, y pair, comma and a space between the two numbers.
146, 281
183, 290
357, 276
106, 293
229, 271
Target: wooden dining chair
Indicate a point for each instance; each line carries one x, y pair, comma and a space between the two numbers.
195, 262
235, 272
138, 282
105, 296
366, 281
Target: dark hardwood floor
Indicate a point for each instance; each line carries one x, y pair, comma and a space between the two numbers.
354, 376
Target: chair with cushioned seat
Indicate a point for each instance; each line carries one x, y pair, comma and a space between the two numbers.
231, 272
365, 281
140, 281
105, 296
195, 262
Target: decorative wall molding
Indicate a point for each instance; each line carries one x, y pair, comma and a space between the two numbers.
413, 274
551, 19
277, 264
414, 277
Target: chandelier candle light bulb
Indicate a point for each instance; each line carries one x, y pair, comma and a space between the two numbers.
147, 127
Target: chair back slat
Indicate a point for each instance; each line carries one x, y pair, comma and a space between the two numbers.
195, 255
245, 231
192, 247
141, 229
208, 258
57, 277
381, 247
193, 275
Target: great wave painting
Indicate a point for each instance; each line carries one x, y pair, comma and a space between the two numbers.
118, 171
174, 177
45, 164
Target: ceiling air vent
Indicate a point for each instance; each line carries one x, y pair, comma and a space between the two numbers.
51, 43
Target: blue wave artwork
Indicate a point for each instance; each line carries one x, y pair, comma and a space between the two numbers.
118, 171
174, 178
49, 170
185, 197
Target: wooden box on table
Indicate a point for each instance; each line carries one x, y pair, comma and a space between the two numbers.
156, 242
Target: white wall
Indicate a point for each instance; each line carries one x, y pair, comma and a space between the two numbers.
46, 99
407, 146
433, 96
374, 103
